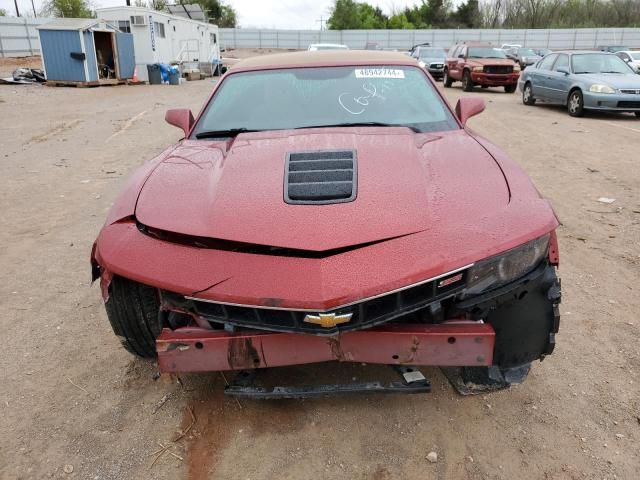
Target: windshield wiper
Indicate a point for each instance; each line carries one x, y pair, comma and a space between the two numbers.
231, 132
612, 71
363, 124
579, 73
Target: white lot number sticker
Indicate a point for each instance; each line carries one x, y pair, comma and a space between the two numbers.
379, 73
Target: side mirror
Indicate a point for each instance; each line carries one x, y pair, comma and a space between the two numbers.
564, 70
468, 107
461, 55
181, 118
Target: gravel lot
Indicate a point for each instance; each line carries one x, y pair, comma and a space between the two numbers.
74, 404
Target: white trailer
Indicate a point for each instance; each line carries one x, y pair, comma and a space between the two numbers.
160, 37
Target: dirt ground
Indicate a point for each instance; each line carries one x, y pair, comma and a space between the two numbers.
74, 404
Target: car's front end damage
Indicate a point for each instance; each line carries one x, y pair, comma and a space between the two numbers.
361, 242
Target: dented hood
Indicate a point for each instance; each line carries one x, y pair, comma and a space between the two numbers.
406, 183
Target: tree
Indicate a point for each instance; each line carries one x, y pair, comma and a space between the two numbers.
344, 16
3, 12
217, 12
399, 21
468, 14
67, 9
140, 3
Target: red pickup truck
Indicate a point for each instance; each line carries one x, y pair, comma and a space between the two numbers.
480, 64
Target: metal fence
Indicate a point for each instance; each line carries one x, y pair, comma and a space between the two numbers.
403, 39
19, 37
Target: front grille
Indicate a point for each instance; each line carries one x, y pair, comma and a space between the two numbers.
628, 104
367, 313
436, 65
320, 177
632, 91
493, 69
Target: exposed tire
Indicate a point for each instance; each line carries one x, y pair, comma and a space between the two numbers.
133, 311
446, 79
575, 104
527, 94
467, 83
510, 88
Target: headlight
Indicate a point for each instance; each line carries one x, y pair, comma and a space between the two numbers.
516, 68
506, 267
601, 89
478, 69
422, 64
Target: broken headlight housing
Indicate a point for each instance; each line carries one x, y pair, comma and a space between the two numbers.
506, 267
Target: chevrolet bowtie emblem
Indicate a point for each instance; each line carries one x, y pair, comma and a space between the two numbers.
328, 320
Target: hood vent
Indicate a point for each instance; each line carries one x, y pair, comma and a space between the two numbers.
320, 177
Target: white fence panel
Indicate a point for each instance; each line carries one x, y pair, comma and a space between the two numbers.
19, 37
579, 38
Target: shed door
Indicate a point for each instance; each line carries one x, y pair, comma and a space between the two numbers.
126, 56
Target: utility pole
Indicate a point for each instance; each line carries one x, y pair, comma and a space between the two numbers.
17, 11
322, 22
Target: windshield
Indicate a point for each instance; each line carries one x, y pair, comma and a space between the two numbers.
316, 97
431, 53
486, 52
598, 63
526, 52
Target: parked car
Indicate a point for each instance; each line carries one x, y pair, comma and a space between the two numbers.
582, 81
480, 64
372, 46
541, 52
432, 59
326, 46
632, 58
299, 212
507, 46
524, 56
612, 48
415, 47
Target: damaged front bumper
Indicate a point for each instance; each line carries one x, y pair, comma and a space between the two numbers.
506, 328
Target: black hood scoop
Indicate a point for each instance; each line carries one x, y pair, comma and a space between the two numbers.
320, 178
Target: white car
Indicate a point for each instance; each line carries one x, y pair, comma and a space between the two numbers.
326, 46
632, 57
507, 46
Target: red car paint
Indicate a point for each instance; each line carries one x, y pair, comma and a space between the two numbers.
433, 203
193, 350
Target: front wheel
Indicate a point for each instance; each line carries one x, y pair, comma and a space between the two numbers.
527, 95
133, 311
446, 79
510, 88
467, 83
575, 105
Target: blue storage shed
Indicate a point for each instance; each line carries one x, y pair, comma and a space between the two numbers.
87, 51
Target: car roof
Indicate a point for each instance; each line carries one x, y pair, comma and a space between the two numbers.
578, 52
327, 45
329, 58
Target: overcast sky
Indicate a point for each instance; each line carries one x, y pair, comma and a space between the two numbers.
298, 14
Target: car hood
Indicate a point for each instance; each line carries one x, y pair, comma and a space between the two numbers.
491, 61
614, 80
406, 183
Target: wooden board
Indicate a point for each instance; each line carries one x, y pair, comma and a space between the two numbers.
98, 83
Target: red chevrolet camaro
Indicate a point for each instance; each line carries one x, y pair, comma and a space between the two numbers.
332, 206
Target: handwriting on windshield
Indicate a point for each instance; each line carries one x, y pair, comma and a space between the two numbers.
357, 105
